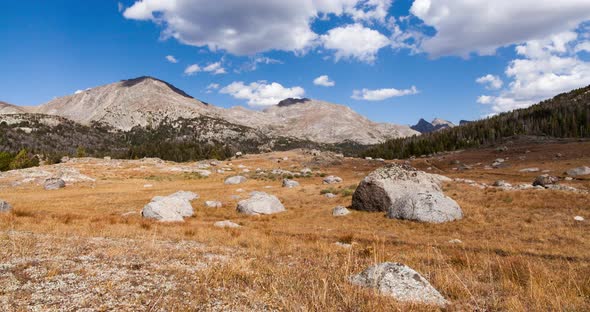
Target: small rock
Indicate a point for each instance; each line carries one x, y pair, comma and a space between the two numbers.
455, 241
340, 211
147, 185
401, 282
5, 206
579, 218
545, 180
343, 245
306, 171
332, 180
502, 184
240, 190
290, 183
213, 204
52, 184
235, 180
530, 170
226, 224
579, 171
330, 195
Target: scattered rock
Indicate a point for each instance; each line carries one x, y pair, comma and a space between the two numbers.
577, 218
530, 170
260, 203
147, 186
52, 184
545, 180
401, 282
235, 180
343, 245
330, 195
502, 184
579, 171
226, 224
4, 206
406, 193
455, 241
340, 211
171, 208
332, 180
306, 171
290, 183
213, 204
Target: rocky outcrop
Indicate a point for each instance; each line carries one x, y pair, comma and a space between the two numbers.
235, 180
52, 184
404, 192
4, 206
171, 208
260, 203
400, 282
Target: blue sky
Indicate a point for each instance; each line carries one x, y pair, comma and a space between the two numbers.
416, 59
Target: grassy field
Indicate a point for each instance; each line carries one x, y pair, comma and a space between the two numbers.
520, 250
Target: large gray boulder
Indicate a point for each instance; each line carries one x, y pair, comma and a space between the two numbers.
260, 203
52, 184
404, 192
578, 171
4, 206
400, 282
171, 208
235, 180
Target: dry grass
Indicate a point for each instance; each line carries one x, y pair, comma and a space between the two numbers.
521, 250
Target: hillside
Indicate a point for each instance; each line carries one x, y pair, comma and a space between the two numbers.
564, 116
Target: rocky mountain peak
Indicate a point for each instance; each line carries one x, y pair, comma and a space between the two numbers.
292, 101
148, 79
437, 124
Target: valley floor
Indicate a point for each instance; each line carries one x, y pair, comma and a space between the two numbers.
86, 247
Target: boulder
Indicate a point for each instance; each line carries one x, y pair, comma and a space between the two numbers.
5, 206
579, 171
400, 282
332, 180
404, 192
290, 183
340, 211
213, 204
226, 224
545, 180
260, 203
52, 184
235, 180
171, 208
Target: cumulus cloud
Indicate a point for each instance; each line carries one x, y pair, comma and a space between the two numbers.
192, 69
250, 27
544, 68
261, 93
171, 59
354, 42
381, 94
482, 26
215, 68
490, 81
324, 81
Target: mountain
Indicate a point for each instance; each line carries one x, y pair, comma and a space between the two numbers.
143, 101
565, 116
148, 102
6, 108
437, 124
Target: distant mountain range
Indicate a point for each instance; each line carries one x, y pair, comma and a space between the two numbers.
437, 124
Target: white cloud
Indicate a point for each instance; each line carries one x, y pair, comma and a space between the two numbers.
213, 86
250, 27
120, 7
171, 59
543, 69
324, 81
354, 42
482, 26
583, 47
490, 81
262, 93
215, 68
381, 94
252, 64
192, 69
